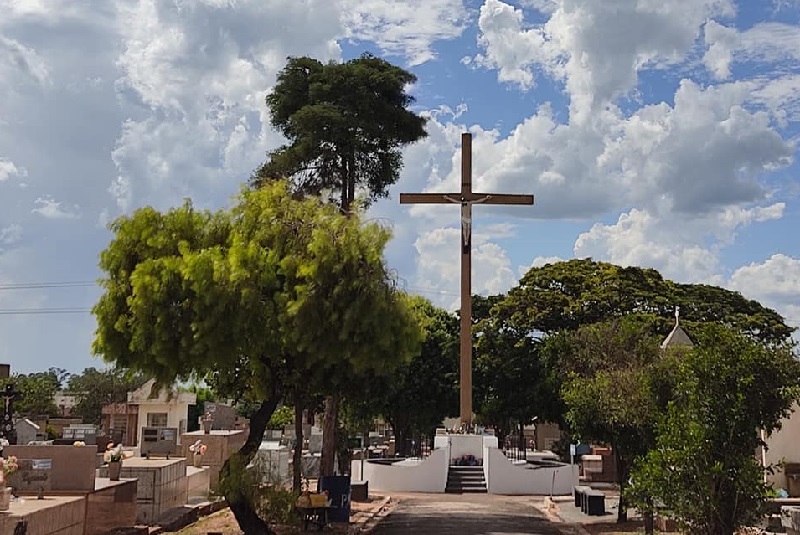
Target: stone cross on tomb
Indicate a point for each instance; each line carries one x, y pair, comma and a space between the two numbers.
8, 395
465, 198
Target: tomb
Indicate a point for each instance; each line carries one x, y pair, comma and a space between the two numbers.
161, 485
221, 445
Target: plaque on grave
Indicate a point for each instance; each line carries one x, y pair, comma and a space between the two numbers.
159, 441
32, 475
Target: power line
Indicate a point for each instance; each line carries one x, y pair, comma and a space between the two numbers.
38, 285
25, 311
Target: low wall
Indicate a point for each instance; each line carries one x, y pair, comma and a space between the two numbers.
112, 505
62, 515
429, 475
73, 467
461, 445
504, 477
197, 482
221, 445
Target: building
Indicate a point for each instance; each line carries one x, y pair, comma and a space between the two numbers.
148, 407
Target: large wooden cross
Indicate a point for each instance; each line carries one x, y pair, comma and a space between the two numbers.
466, 198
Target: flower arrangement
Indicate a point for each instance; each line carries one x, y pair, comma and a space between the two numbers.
198, 448
115, 453
9, 465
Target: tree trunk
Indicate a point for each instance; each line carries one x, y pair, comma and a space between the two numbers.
297, 456
246, 516
329, 430
622, 479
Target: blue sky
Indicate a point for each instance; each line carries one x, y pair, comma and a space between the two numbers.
659, 134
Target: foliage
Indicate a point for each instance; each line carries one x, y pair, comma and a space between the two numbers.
345, 123
567, 295
203, 394
95, 388
253, 299
37, 392
513, 382
282, 417
609, 388
423, 391
703, 469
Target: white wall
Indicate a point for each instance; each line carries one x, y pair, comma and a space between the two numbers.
782, 445
503, 477
430, 475
175, 413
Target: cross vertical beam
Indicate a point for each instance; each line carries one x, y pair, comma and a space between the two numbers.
466, 198
465, 353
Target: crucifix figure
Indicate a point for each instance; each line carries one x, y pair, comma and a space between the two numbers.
466, 198
7, 424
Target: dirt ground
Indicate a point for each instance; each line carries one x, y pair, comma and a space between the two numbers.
223, 522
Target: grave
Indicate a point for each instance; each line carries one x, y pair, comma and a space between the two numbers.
221, 445
161, 485
72, 467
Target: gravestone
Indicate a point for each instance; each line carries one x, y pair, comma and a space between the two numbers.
72, 467
315, 443
32, 475
223, 416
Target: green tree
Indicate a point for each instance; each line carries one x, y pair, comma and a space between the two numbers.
609, 388
346, 124
250, 299
514, 384
94, 388
567, 295
202, 395
37, 392
420, 394
703, 469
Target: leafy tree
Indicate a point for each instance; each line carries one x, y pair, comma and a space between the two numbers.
37, 392
346, 124
513, 382
703, 469
94, 388
609, 371
283, 416
415, 398
250, 299
567, 295
195, 412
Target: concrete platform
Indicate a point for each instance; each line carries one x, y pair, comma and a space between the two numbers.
64, 515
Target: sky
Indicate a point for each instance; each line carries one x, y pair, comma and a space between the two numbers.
652, 133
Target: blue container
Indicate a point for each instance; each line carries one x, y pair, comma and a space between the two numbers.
338, 488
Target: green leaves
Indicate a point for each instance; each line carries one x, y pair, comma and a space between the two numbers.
703, 467
345, 122
257, 296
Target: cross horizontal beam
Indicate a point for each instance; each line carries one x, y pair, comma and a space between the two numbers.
471, 197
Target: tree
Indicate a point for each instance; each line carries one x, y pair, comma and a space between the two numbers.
566, 295
513, 382
37, 392
703, 469
345, 123
202, 394
250, 299
609, 369
94, 388
423, 391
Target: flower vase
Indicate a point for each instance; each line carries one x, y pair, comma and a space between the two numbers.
5, 498
207, 426
114, 468
197, 461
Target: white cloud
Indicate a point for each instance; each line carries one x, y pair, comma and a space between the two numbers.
405, 27
49, 208
774, 283
9, 169
202, 70
596, 46
766, 42
20, 64
683, 249
10, 234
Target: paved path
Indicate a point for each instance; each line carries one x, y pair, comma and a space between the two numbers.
476, 514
